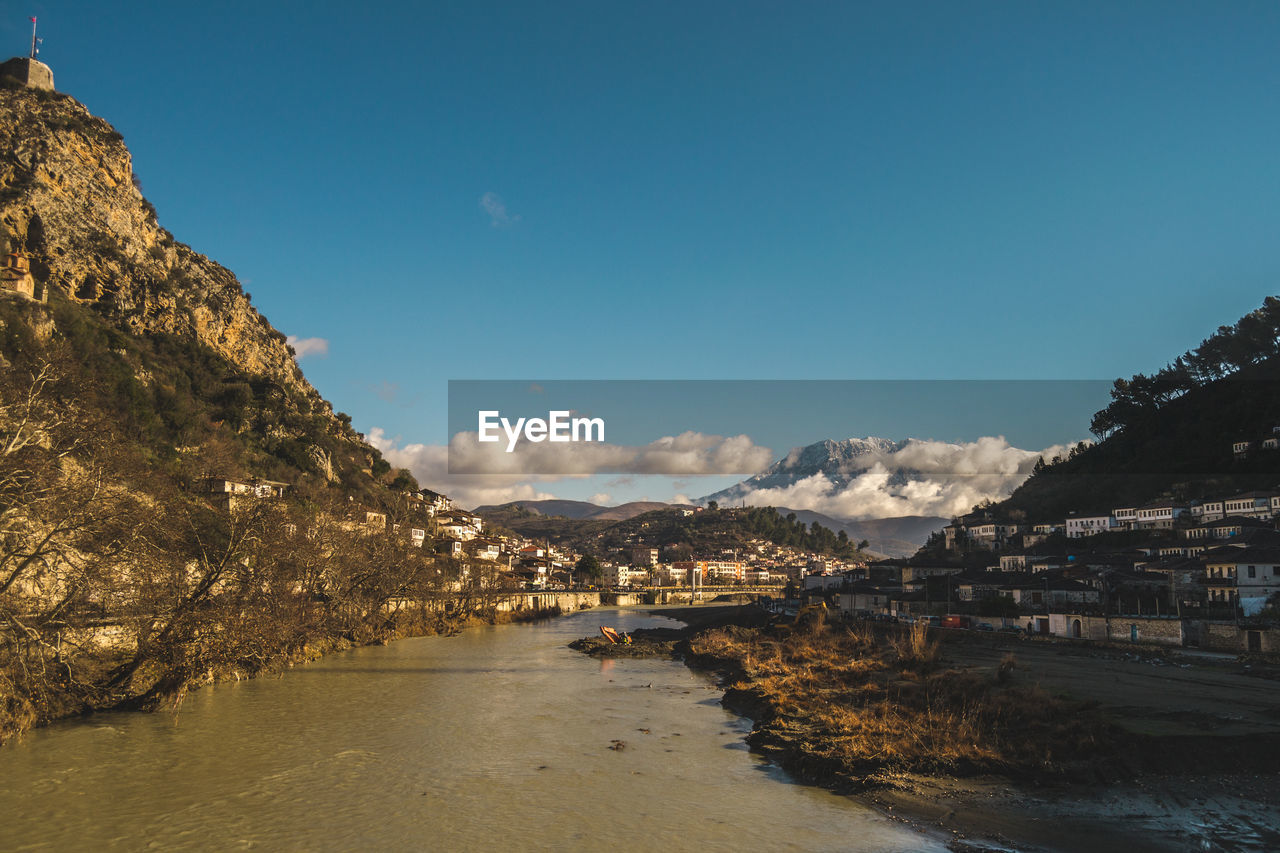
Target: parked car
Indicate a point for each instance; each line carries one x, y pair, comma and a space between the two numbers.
1010, 629
984, 626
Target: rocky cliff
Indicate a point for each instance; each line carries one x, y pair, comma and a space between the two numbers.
69, 198
177, 356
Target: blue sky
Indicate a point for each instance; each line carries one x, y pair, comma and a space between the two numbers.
782, 413
709, 190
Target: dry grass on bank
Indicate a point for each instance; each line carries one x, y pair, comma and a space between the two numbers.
870, 702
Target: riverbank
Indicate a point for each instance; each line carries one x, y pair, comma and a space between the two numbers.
1026, 744
672, 642
146, 691
379, 748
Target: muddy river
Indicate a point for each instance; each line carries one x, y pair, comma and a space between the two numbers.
499, 738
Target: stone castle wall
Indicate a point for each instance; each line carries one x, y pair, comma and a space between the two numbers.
30, 72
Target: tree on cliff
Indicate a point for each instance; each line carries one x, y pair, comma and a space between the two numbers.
1252, 339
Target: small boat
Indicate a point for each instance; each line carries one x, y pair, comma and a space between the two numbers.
610, 635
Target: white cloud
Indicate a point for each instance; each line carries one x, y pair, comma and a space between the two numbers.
952, 478
304, 347
687, 453
429, 463
949, 480
492, 204
601, 498
474, 474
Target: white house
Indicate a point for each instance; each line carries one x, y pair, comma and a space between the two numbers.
991, 535
1125, 517
457, 530
1158, 515
1225, 528
226, 486
436, 502
473, 521
1256, 572
624, 575
824, 582
669, 574
255, 487
1079, 527
1250, 504
1208, 511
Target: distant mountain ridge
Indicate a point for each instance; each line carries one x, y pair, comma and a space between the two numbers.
839, 461
576, 510
893, 537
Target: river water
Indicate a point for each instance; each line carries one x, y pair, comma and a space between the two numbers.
495, 739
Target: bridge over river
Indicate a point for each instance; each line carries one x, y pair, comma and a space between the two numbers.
570, 600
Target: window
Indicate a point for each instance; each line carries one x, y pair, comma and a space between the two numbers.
1253, 571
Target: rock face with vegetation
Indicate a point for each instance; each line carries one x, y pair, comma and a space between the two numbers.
144, 374
69, 197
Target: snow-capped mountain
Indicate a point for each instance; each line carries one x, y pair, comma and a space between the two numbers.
858, 479
839, 461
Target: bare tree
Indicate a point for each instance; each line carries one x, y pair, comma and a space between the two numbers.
65, 528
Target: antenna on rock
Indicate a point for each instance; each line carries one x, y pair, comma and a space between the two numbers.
35, 43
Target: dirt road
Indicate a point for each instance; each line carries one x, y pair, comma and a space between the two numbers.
1149, 693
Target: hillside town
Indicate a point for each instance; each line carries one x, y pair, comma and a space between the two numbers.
431, 520
1200, 573
536, 564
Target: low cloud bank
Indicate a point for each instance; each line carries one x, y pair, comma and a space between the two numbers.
429, 463
688, 453
922, 478
930, 478
493, 476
